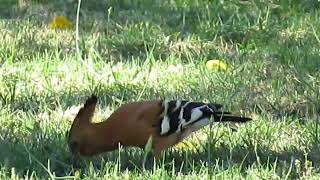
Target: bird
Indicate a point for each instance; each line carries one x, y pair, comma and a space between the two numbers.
168, 122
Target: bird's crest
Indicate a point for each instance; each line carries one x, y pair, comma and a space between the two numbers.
81, 121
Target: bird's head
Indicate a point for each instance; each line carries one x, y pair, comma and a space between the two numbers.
78, 135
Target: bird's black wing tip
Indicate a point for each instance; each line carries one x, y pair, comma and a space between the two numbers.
246, 119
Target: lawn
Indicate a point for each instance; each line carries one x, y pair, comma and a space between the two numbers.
138, 49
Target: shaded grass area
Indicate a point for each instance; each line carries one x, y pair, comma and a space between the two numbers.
137, 50
37, 144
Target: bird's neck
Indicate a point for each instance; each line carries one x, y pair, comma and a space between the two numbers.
105, 135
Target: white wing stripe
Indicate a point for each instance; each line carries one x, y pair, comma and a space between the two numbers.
165, 125
178, 104
196, 113
165, 104
196, 116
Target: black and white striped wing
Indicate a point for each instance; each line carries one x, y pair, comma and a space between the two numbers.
179, 115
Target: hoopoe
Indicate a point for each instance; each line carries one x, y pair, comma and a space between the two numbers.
168, 122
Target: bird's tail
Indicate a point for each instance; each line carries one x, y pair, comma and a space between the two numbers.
227, 117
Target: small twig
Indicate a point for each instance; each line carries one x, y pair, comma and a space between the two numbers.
77, 29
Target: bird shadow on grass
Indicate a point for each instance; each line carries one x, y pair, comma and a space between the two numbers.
48, 154
221, 159
46, 151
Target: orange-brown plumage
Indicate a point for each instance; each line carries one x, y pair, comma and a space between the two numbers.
130, 125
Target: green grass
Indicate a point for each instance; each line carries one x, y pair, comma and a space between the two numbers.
139, 49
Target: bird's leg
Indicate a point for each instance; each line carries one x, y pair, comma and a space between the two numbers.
162, 143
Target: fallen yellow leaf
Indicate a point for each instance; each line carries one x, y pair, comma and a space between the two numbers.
217, 64
60, 22
185, 146
77, 174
